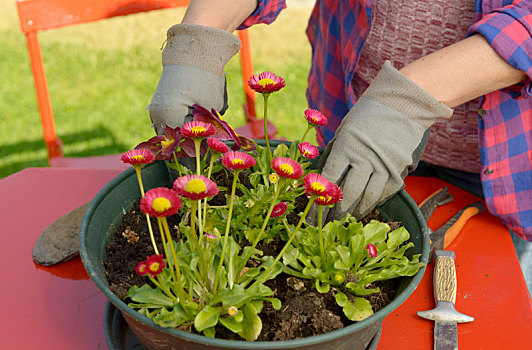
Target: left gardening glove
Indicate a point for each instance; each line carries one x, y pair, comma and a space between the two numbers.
378, 140
193, 72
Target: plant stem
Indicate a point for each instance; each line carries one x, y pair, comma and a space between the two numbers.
139, 178
292, 236
264, 224
203, 264
306, 132
287, 228
176, 165
265, 97
177, 275
197, 144
163, 288
320, 236
209, 172
227, 227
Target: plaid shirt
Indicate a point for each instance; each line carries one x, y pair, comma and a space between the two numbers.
337, 31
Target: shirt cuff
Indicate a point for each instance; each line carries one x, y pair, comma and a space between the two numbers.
266, 12
508, 31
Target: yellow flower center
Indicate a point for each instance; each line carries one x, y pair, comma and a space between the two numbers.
266, 81
274, 178
138, 157
233, 311
154, 266
161, 204
166, 143
287, 168
317, 186
238, 161
338, 278
196, 186
196, 130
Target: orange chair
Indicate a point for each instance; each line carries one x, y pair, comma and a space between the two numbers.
40, 15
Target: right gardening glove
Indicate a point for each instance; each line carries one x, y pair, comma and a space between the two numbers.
193, 72
378, 140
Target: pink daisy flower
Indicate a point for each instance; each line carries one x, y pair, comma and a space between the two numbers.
142, 268
217, 145
196, 129
315, 117
235, 160
333, 197
266, 83
308, 151
160, 202
316, 184
195, 187
155, 265
279, 209
287, 167
372, 250
137, 157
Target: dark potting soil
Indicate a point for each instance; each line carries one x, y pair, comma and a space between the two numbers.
305, 312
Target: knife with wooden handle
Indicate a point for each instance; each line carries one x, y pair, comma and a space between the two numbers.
445, 315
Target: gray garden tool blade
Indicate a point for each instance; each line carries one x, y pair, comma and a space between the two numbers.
59, 242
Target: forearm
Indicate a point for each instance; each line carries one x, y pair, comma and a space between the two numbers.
463, 71
221, 14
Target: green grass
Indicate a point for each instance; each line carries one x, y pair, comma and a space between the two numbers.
102, 75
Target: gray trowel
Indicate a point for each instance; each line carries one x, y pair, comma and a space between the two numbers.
59, 241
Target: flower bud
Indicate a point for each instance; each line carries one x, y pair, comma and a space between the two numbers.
232, 311
338, 278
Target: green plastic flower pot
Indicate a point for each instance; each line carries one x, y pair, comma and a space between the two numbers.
106, 211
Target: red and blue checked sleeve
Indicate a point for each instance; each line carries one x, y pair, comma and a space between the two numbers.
266, 12
509, 31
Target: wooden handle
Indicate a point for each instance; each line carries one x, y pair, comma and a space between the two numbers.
444, 276
453, 231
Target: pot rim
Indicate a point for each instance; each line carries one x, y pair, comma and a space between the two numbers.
241, 344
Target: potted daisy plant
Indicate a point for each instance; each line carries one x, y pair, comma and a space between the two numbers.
228, 235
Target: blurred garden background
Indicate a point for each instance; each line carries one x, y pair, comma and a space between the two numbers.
102, 75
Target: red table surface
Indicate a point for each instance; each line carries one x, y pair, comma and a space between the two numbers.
60, 308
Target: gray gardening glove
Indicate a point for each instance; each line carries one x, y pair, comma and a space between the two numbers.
378, 140
193, 72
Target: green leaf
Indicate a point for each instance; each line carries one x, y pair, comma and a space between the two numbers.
322, 289
290, 257
358, 289
375, 231
210, 332
251, 234
235, 296
397, 237
173, 318
356, 245
344, 253
232, 324
280, 151
341, 299
252, 325
276, 303
208, 317
358, 310
147, 295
